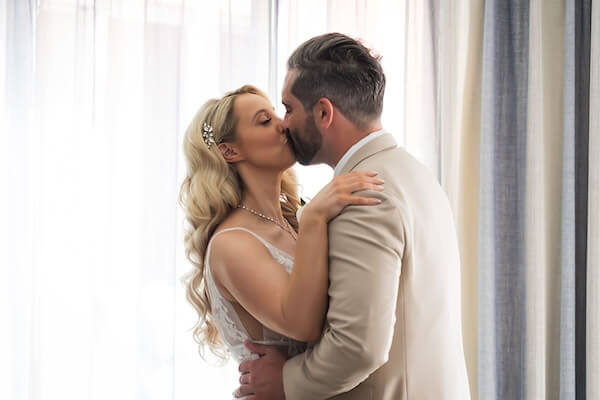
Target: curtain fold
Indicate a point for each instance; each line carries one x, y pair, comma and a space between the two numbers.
574, 199
529, 236
460, 46
420, 130
542, 224
502, 214
18, 224
593, 235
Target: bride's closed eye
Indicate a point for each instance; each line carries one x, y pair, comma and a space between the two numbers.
266, 121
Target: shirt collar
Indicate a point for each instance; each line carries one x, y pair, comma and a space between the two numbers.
355, 147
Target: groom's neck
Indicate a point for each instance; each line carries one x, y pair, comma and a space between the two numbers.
345, 135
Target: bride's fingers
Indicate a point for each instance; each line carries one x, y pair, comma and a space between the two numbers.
365, 173
359, 173
366, 201
361, 176
371, 184
356, 177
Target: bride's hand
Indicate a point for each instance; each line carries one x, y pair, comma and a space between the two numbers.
338, 193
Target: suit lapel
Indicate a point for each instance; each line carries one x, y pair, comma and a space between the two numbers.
379, 144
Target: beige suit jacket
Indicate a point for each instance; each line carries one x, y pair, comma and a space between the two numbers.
393, 328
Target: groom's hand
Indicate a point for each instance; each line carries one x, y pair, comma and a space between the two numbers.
262, 379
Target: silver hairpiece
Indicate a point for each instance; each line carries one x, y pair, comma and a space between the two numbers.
208, 135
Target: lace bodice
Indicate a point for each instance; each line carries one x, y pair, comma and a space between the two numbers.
226, 319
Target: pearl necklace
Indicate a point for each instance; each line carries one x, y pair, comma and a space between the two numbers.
286, 227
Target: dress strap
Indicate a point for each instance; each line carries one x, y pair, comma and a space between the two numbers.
268, 245
260, 239
279, 255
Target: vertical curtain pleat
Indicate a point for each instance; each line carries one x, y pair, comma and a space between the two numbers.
420, 89
460, 47
535, 222
502, 200
574, 200
582, 109
543, 189
537, 213
593, 238
19, 151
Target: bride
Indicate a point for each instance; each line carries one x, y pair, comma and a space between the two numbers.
259, 274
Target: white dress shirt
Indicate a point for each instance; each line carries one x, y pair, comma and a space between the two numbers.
354, 149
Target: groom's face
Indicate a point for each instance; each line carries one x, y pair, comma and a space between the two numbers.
304, 136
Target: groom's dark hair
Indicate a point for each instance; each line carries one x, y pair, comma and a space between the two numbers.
343, 70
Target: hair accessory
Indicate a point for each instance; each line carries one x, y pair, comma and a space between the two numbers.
208, 135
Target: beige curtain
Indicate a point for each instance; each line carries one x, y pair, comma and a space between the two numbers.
543, 199
593, 270
458, 43
460, 98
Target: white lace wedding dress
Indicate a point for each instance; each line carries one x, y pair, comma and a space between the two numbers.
226, 319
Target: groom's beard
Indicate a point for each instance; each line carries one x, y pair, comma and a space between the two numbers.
306, 146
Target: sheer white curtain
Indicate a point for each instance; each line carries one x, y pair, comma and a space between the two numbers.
96, 95
94, 99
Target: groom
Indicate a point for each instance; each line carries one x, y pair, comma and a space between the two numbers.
393, 328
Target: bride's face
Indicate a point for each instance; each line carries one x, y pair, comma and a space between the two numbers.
261, 140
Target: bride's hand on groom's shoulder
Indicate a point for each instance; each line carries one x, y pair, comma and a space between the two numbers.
339, 193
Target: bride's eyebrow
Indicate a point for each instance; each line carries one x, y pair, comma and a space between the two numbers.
258, 112
261, 110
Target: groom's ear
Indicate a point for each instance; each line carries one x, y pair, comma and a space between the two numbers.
230, 153
323, 112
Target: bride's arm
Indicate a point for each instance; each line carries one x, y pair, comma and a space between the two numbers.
291, 304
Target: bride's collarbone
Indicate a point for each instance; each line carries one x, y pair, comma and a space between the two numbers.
274, 235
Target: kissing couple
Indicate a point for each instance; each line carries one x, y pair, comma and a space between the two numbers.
358, 296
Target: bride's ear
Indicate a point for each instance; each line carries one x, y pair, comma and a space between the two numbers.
229, 152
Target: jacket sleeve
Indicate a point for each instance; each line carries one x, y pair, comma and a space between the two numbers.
365, 252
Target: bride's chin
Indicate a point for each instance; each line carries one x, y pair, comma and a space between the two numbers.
292, 157
289, 163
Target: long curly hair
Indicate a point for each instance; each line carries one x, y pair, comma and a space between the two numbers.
211, 189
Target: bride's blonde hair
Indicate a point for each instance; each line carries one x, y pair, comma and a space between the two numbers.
211, 189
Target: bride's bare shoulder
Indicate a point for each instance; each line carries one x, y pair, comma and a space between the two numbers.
235, 239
